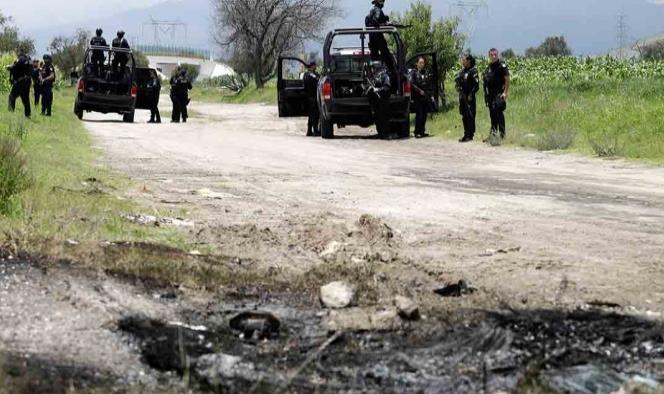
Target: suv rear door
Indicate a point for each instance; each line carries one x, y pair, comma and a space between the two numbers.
432, 76
290, 86
149, 87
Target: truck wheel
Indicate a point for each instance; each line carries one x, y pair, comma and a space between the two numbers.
128, 118
404, 129
326, 129
78, 112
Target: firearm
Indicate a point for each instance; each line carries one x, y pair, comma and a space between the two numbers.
399, 25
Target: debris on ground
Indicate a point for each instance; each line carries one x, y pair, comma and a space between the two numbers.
256, 325
331, 250
212, 194
493, 252
458, 289
148, 220
407, 308
361, 319
337, 295
604, 304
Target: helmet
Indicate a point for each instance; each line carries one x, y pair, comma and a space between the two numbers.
99, 32
47, 57
378, 2
121, 33
377, 65
312, 63
183, 72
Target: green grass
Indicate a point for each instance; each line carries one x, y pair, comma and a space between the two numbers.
602, 118
250, 94
72, 196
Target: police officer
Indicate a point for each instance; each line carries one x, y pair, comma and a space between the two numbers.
421, 98
155, 83
180, 87
36, 71
120, 59
468, 84
311, 88
46, 81
496, 91
377, 43
98, 57
20, 75
379, 93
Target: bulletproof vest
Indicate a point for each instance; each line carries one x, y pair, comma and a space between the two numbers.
22, 68
375, 18
493, 78
46, 71
120, 43
98, 41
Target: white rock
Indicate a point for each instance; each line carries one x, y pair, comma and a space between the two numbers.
407, 308
362, 319
337, 295
331, 250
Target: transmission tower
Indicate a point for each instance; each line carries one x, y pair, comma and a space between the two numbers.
468, 11
622, 34
164, 29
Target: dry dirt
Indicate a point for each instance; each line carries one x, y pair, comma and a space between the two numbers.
541, 229
528, 230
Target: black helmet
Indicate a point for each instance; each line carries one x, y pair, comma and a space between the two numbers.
183, 72
378, 2
377, 65
99, 32
47, 58
121, 33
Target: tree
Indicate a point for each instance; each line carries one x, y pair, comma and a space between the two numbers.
426, 35
69, 51
10, 39
552, 46
652, 50
257, 32
508, 54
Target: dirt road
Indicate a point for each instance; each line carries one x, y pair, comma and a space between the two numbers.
539, 229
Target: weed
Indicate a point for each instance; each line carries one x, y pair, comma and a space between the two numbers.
14, 175
556, 140
606, 145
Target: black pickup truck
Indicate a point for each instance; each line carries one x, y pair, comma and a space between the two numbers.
342, 99
103, 88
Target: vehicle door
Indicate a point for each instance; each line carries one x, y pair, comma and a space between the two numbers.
149, 87
291, 94
432, 77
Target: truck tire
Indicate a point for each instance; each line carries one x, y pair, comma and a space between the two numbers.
326, 129
128, 118
78, 112
404, 128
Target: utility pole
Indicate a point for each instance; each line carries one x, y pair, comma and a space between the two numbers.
622, 34
164, 28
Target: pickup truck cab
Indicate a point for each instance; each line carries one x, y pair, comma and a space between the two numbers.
342, 97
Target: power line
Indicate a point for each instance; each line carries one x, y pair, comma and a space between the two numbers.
622, 34
468, 11
162, 29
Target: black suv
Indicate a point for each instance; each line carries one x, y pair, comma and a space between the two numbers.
104, 89
342, 99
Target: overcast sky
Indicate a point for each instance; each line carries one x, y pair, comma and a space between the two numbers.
44, 13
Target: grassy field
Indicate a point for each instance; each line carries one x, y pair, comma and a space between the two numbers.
251, 94
602, 118
71, 196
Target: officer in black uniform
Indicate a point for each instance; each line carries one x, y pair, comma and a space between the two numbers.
120, 59
311, 88
47, 79
421, 98
155, 91
496, 91
36, 72
380, 90
20, 75
468, 84
98, 57
180, 87
377, 44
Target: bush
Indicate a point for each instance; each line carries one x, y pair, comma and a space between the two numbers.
14, 176
5, 60
556, 140
606, 145
235, 82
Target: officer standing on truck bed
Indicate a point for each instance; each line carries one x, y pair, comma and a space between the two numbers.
120, 59
311, 79
46, 81
20, 76
468, 84
98, 57
377, 43
180, 87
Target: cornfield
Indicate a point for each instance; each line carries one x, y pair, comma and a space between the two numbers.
533, 71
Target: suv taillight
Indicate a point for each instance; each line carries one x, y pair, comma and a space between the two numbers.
327, 91
134, 90
407, 89
81, 86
